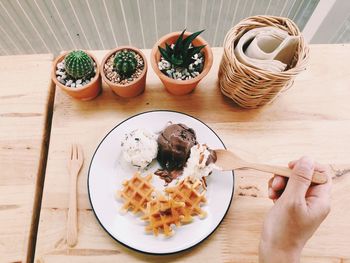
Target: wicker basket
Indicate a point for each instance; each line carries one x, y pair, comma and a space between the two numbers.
250, 87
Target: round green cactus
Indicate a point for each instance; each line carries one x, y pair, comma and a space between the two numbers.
78, 64
125, 63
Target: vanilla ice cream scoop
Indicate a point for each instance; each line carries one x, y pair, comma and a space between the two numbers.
201, 162
139, 148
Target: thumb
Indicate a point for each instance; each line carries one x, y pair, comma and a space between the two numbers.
300, 181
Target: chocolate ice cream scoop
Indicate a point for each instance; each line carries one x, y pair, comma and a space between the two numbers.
174, 146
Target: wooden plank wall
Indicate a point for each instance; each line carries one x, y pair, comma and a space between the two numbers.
43, 26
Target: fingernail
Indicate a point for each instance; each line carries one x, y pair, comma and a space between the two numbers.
274, 182
306, 163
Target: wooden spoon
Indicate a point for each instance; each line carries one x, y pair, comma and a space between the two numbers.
227, 161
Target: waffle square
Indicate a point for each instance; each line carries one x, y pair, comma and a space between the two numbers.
136, 192
162, 214
190, 191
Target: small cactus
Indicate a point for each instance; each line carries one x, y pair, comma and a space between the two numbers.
78, 64
125, 63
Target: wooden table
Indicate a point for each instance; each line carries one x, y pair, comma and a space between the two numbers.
24, 102
311, 118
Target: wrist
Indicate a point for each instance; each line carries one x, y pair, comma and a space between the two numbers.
270, 254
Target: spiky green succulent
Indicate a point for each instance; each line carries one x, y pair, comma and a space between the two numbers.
78, 64
181, 53
125, 63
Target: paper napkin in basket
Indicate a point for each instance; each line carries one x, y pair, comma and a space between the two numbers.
267, 48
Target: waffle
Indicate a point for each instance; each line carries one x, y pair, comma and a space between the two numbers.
192, 193
162, 214
136, 193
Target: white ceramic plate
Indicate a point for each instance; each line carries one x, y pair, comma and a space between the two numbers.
107, 172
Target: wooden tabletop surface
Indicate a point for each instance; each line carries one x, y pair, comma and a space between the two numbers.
310, 118
24, 99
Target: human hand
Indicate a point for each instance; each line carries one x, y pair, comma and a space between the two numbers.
298, 211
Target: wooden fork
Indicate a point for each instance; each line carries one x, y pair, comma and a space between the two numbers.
75, 162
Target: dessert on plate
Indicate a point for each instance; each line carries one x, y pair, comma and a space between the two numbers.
140, 148
175, 143
163, 214
136, 192
192, 193
180, 156
201, 163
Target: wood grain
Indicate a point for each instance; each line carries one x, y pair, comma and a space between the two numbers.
311, 118
24, 99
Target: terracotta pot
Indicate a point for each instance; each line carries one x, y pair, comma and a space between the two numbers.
86, 92
132, 89
180, 87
